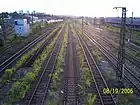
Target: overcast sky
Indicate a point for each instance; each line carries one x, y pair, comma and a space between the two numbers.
72, 7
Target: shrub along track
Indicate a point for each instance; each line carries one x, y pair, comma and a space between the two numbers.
97, 76
86, 86
15, 44
54, 90
71, 76
28, 64
39, 90
129, 76
28, 58
36, 54
8, 62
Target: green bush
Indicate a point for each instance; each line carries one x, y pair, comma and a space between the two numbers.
8, 74
138, 54
90, 99
56, 76
86, 77
18, 91
20, 88
29, 77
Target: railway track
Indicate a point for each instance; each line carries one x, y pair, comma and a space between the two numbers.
128, 56
97, 76
129, 76
29, 62
14, 57
33, 57
71, 75
4, 49
10, 46
132, 45
39, 92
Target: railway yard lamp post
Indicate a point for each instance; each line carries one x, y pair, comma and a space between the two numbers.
131, 32
121, 52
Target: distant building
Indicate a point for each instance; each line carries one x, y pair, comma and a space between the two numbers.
30, 18
21, 27
116, 21
8, 19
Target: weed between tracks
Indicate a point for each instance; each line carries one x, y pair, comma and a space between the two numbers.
105, 67
9, 72
110, 76
86, 92
21, 87
53, 98
12, 44
86, 79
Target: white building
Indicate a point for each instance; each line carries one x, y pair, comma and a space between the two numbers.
21, 27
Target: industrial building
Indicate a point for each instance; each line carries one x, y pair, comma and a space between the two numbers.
21, 27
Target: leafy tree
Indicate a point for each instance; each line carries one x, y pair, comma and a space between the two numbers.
14, 14
4, 15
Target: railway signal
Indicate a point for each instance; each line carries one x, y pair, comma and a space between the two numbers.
121, 53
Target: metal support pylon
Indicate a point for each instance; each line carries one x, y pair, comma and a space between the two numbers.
121, 53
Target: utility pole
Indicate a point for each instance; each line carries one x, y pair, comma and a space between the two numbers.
131, 27
75, 19
3, 27
94, 21
82, 25
32, 18
121, 53
52, 16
